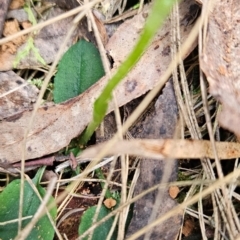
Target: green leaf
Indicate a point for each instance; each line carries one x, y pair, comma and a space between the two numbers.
79, 68
101, 232
9, 208
160, 10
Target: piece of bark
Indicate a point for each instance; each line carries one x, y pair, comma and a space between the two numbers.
159, 123
220, 61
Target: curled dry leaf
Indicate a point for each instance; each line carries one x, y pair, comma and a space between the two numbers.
11, 47
55, 126
220, 61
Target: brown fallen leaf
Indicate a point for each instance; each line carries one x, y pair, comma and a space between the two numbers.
56, 125
157, 57
21, 95
220, 61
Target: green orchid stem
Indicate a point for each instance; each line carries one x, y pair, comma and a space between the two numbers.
160, 10
101, 176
